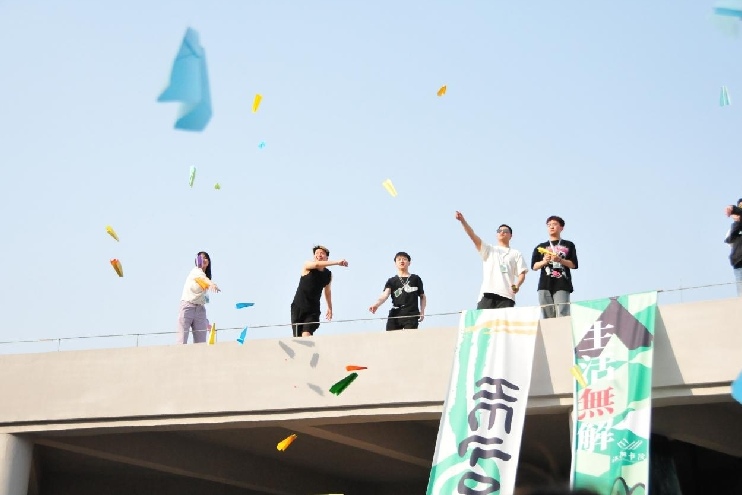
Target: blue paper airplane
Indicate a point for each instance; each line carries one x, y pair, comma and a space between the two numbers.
243, 305
243, 334
189, 85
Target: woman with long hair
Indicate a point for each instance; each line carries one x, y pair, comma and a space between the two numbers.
192, 314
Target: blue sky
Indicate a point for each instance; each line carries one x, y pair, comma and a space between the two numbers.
607, 115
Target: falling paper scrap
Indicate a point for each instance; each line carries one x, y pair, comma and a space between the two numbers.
442, 91
243, 305
116, 264
340, 386
256, 102
189, 85
192, 176
212, 334
577, 373
389, 187
243, 335
353, 367
737, 388
217, 186
284, 444
724, 97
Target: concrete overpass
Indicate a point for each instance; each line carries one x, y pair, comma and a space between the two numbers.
201, 419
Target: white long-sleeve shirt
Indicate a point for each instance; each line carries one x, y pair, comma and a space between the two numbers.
192, 292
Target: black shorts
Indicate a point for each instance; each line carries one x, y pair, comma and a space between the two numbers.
401, 323
494, 301
303, 320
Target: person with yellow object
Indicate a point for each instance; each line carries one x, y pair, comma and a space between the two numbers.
554, 259
192, 314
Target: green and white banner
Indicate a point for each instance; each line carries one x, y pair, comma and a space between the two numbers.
613, 342
480, 432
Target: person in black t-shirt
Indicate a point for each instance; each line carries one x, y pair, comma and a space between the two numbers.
555, 282
405, 289
315, 278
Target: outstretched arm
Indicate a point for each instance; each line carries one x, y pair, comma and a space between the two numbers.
469, 231
423, 303
382, 298
328, 298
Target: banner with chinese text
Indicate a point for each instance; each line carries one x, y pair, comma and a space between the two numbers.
613, 345
480, 431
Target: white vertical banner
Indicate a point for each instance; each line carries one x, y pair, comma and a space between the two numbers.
480, 432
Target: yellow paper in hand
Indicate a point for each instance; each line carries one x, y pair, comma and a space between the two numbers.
212, 334
577, 373
442, 91
389, 187
203, 283
111, 232
284, 444
256, 102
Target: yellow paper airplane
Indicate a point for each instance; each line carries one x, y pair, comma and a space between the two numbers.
212, 334
203, 283
389, 187
577, 373
256, 102
442, 91
284, 444
111, 232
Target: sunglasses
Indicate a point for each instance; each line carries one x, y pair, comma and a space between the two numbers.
503, 231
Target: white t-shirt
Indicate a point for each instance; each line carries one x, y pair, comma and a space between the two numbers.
495, 281
192, 292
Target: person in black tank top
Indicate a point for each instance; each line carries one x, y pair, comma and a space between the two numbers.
315, 278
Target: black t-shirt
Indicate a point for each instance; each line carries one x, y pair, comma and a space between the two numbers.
405, 292
735, 239
559, 277
310, 289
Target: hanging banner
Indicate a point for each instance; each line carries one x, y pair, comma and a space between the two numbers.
480, 431
613, 344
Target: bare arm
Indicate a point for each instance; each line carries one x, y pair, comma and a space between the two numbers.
382, 299
469, 231
311, 265
423, 303
328, 298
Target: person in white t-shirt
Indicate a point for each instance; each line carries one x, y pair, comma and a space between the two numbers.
192, 314
503, 268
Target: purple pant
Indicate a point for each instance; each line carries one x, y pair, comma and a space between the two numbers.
192, 317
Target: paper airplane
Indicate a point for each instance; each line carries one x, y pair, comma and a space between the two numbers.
111, 232
724, 100
340, 386
202, 283
243, 305
192, 176
256, 102
217, 186
189, 85
261, 145
212, 334
353, 367
243, 336
389, 187
442, 91
577, 373
116, 264
284, 444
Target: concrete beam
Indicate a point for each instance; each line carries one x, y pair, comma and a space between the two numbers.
186, 457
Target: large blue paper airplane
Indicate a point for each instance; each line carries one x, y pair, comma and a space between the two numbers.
189, 85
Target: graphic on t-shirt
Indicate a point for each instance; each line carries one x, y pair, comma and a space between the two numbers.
556, 270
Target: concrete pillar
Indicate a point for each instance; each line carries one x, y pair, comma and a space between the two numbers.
16, 456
